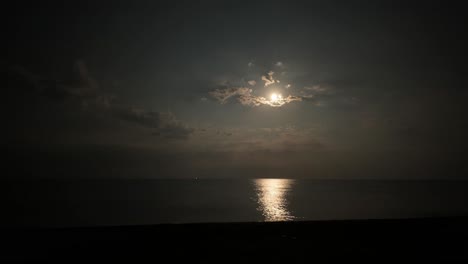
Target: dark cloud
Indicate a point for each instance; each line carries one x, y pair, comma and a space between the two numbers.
170, 127
84, 97
142, 117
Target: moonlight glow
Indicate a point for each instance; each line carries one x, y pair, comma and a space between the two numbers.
247, 95
275, 97
272, 198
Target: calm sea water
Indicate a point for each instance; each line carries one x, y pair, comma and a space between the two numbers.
133, 202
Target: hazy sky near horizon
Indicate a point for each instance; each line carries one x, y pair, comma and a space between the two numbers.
322, 89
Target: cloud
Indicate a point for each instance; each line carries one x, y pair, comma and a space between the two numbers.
21, 81
83, 95
170, 127
258, 100
85, 76
163, 124
222, 95
316, 92
269, 80
245, 97
308, 97
318, 89
138, 116
283, 138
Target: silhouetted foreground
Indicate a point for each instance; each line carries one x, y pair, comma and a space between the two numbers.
286, 242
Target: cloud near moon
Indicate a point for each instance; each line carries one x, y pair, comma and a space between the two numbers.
248, 95
269, 80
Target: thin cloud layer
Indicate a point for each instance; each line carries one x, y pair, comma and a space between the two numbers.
222, 95
257, 101
319, 89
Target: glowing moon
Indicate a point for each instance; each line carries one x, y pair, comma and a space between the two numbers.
275, 97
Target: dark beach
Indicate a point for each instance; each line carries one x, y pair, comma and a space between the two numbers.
423, 239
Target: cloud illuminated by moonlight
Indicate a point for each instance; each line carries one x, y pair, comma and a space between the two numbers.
248, 96
244, 96
269, 80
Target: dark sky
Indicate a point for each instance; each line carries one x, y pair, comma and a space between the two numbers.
369, 89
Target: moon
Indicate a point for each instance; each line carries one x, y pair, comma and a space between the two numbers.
274, 97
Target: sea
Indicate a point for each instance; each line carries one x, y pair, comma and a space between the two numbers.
74, 203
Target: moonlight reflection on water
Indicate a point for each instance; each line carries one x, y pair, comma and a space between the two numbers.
272, 198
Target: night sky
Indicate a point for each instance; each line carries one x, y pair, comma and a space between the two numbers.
220, 89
